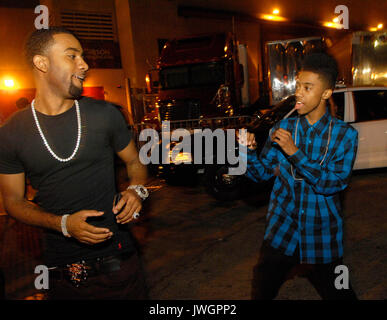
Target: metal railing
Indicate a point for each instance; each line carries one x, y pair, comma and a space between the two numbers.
234, 122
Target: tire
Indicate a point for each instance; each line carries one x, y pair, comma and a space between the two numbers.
221, 185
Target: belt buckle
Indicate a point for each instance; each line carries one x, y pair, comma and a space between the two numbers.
77, 273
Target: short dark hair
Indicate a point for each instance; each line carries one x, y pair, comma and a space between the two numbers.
323, 64
40, 40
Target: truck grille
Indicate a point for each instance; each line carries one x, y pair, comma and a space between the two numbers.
180, 110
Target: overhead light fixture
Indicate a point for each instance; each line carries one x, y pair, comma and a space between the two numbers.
276, 11
332, 25
9, 83
378, 27
271, 17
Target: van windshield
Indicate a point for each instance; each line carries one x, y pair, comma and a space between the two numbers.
194, 75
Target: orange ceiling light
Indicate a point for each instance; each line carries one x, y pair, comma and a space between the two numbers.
332, 25
272, 17
9, 83
378, 27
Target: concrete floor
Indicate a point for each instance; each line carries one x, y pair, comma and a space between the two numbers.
197, 248
194, 247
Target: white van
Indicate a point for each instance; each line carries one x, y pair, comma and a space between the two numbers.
365, 108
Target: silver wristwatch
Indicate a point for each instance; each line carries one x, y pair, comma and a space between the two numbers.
140, 190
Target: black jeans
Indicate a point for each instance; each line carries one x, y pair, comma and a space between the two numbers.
128, 283
274, 268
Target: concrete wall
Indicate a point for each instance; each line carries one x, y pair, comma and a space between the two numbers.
16, 24
12, 36
113, 80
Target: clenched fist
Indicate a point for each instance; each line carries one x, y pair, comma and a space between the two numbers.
247, 139
285, 140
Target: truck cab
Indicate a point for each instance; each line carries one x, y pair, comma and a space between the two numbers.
198, 77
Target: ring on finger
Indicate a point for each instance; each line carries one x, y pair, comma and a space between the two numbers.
136, 215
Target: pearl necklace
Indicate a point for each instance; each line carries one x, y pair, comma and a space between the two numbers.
44, 138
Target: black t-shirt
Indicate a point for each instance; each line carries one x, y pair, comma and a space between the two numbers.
87, 182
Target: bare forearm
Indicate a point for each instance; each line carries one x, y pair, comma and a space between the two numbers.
137, 172
31, 214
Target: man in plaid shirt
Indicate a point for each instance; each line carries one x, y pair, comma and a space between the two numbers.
312, 156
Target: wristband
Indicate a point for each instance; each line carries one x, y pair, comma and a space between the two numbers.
63, 226
141, 191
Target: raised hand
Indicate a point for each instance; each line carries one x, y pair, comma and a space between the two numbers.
285, 140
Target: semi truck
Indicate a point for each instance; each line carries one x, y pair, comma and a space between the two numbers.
201, 83
198, 77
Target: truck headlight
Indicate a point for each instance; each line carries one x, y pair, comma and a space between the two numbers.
181, 157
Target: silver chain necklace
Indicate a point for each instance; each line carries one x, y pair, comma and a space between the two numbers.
326, 147
44, 138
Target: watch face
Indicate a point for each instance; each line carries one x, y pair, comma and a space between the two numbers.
143, 190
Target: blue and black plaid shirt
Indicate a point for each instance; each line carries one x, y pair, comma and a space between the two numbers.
304, 206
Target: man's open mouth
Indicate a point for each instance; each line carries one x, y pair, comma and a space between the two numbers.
80, 78
299, 105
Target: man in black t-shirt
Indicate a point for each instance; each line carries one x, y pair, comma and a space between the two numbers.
65, 145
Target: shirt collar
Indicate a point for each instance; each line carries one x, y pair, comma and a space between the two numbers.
319, 125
